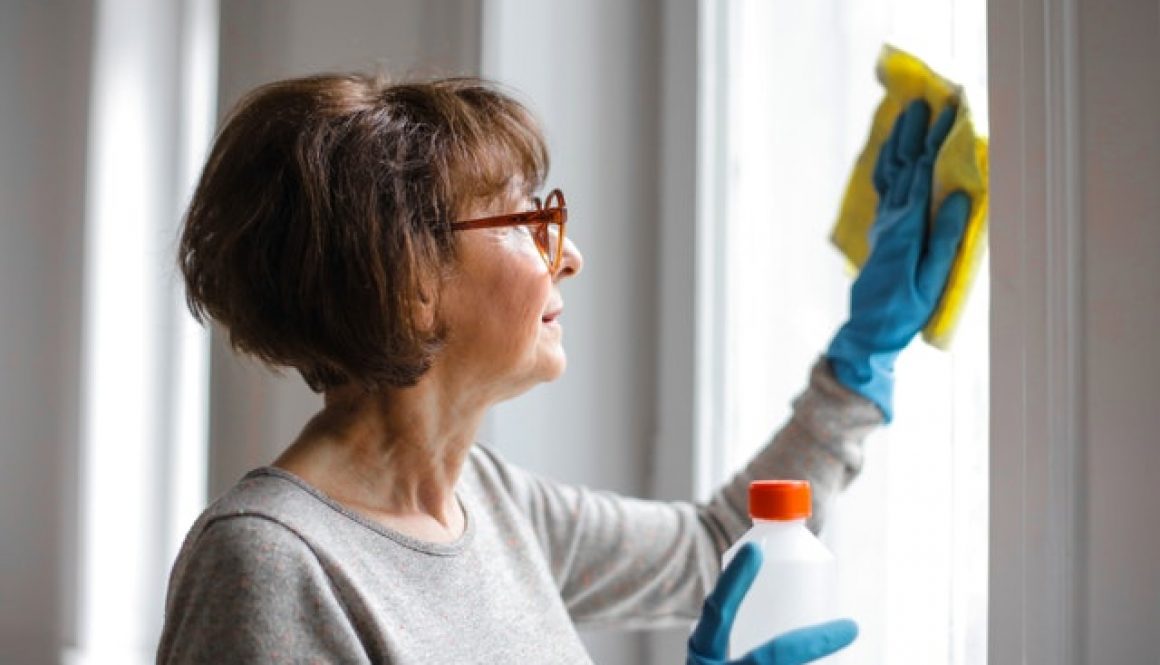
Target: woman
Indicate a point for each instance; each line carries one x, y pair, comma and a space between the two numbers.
383, 241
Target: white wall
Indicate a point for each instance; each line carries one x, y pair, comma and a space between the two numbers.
44, 72
596, 93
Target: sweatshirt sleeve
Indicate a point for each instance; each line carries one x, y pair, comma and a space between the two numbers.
821, 443
646, 564
252, 591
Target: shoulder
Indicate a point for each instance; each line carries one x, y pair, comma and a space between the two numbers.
239, 564
489, 472
249, 551
537, 497
482, 459
269, 492
260, 523
247, 586
275, 502
249, 538
245, 547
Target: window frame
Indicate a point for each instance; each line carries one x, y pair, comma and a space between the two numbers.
1037, 409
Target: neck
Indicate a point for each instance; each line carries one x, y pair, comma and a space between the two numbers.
394, 456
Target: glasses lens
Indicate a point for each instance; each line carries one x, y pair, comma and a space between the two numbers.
549, 233
547, 238
540, 235
552, 248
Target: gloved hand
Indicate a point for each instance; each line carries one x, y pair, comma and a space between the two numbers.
903, 278
709, 644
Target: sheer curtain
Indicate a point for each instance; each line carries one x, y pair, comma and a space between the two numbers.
911, 533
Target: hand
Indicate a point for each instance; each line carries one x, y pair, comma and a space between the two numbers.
903, 278
709, 644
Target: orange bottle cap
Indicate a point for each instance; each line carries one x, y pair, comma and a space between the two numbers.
779, 499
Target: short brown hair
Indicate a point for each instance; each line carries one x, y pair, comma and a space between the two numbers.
322, 216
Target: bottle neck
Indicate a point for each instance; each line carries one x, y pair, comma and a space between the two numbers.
761, 520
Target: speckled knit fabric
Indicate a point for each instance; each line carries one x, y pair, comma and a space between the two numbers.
274, 571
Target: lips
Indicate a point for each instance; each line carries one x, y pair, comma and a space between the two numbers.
552, 314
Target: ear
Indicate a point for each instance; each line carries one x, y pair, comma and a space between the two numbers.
431, 285
426, 313
429, 302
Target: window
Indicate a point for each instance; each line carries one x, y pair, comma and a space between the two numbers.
799, 91
143, 448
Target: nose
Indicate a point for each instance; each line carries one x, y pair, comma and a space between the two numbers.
571, 263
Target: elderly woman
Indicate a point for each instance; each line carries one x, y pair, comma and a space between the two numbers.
384, 241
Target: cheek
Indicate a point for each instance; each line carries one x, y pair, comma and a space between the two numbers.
522, 282
503, 310
524, 297
499, 298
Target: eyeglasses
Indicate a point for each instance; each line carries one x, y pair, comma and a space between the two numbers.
546, 224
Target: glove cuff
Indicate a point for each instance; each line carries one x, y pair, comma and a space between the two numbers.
868, 373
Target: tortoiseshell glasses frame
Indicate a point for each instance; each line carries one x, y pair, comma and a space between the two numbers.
549, 213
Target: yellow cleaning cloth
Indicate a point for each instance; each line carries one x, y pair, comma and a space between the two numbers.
961, 165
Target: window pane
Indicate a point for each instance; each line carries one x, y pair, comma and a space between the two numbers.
910, 533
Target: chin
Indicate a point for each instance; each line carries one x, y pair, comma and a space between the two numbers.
545, 371
550, 359
556, 367
559, 372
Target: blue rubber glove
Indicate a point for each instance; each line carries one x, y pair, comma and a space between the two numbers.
904, 276
709, 644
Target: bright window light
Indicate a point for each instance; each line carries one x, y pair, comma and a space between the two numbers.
143, 447
911, 533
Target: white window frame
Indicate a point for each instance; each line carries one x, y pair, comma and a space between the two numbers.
145, 402
689, 193
1037, 414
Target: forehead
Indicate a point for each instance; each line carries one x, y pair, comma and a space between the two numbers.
515, 197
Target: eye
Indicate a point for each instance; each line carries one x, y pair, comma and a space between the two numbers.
521, 234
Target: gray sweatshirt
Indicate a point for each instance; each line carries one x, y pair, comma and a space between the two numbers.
275, 571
